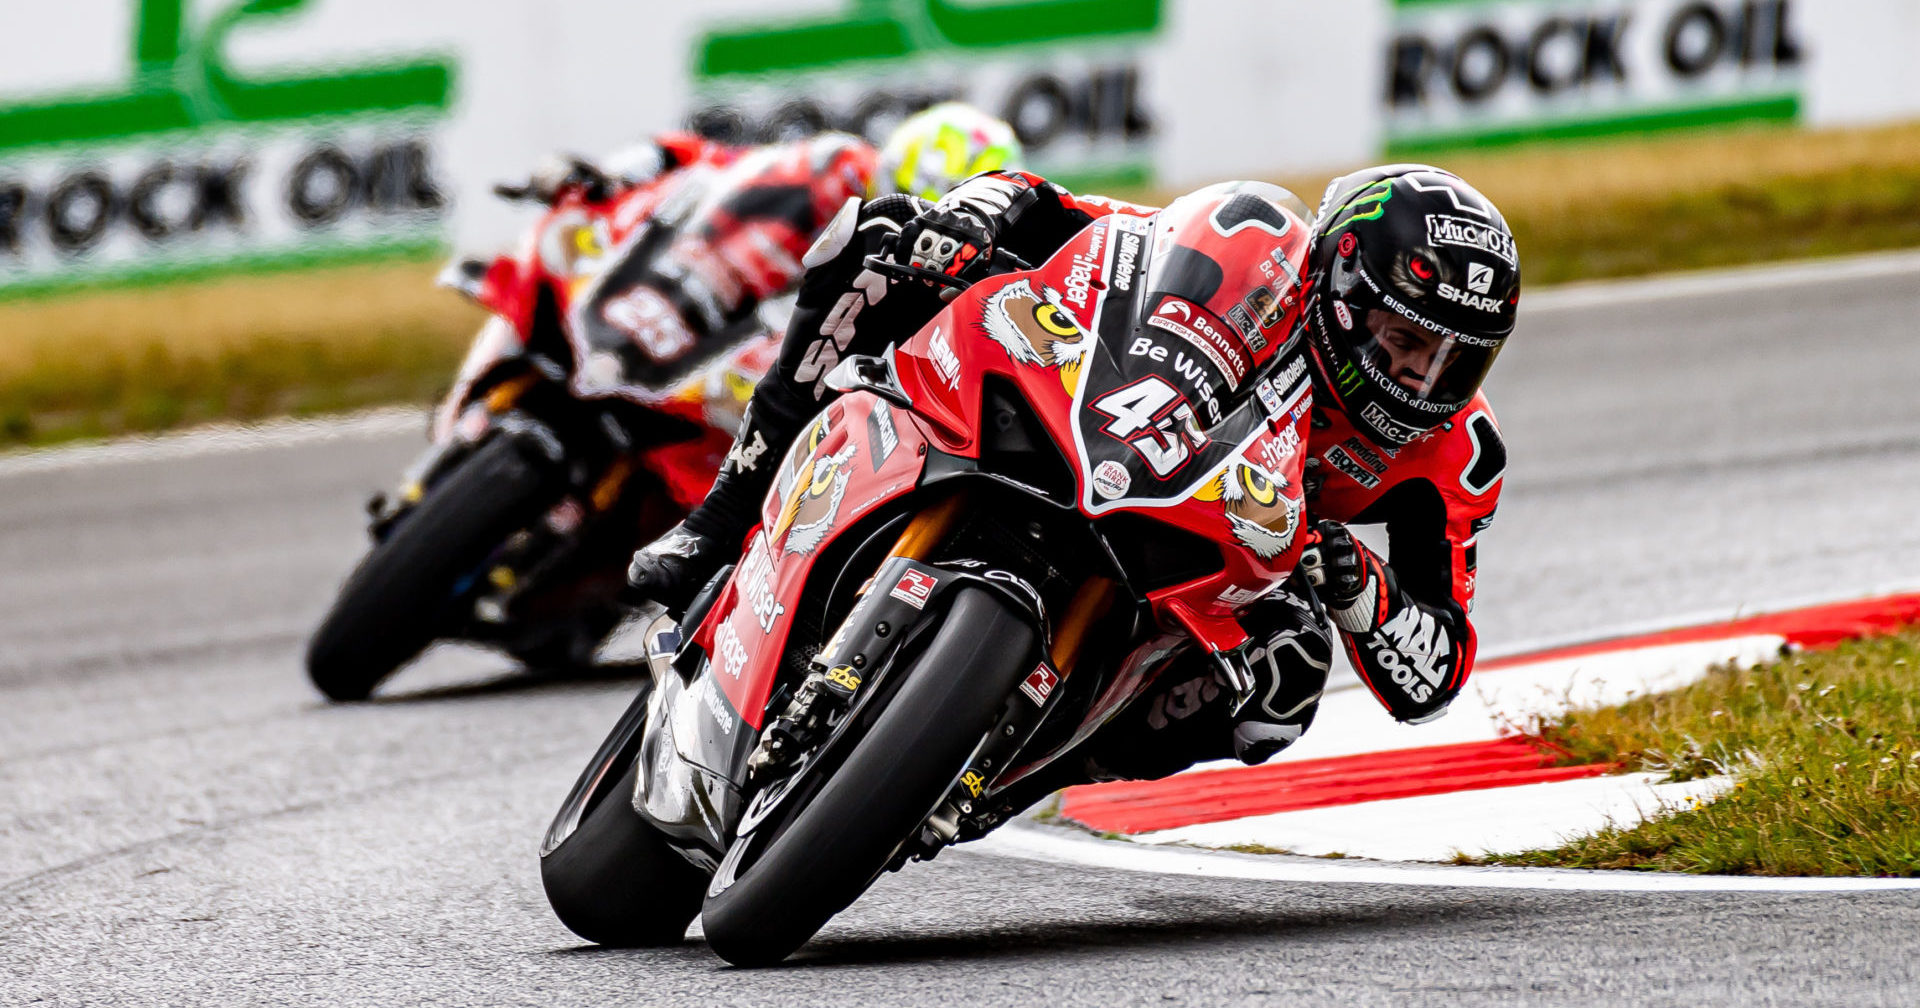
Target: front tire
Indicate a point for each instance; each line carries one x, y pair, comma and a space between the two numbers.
827, 852
395, 602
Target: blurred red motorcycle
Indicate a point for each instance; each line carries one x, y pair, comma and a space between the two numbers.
591, 412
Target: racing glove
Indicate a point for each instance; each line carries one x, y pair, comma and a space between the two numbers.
555, 175
945, 240
1412, 656
1350, 580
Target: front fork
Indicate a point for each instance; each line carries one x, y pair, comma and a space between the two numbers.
866, 636
548, 542
962, 815
893, 599
473, 424
843, 675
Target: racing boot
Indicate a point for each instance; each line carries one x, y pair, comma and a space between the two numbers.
672, 569
1289, 668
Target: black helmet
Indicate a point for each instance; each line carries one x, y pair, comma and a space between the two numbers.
1413, 285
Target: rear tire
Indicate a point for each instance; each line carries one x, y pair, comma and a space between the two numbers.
395, 602
828, 852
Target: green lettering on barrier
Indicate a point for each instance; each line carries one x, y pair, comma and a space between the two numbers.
179, 82
870, 30
980, 26
159, 36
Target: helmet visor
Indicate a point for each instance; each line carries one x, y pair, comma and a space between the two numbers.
1439, 369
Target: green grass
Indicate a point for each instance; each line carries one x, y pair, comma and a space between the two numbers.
1825, 749
154, 389
93, 363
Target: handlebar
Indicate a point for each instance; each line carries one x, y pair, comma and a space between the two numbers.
1000, 261
548, 181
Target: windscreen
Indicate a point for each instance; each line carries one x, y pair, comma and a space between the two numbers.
1156, 411
686, 285
1169, 392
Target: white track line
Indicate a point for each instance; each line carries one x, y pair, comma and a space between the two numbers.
1613, 293
1699, 617
1040, 843
219, 439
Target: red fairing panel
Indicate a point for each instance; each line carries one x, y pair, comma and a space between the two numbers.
685, 279
859, 453
577, 234
683, 148
775, 201
1054, 332
558, 254
1064, 334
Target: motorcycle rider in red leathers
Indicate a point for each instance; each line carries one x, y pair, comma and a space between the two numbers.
743, 242
1406, 294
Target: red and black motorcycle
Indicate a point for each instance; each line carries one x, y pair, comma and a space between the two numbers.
587, 417
991, 544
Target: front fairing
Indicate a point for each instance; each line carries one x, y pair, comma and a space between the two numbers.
557, 257
856, 456
1065, 334
1140, 437
680, 288
628, 332
1240, 491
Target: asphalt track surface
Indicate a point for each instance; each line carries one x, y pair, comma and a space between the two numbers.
182, 821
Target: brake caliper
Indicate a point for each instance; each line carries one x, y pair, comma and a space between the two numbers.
861, 646
805, 723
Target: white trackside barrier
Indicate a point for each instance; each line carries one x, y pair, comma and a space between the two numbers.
158, 138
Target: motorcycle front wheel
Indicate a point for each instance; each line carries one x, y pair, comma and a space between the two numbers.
819, 858
396, 601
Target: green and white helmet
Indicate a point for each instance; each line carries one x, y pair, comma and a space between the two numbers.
939, 147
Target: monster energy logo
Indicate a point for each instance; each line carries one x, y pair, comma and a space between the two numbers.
1348, 378
1373, 199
